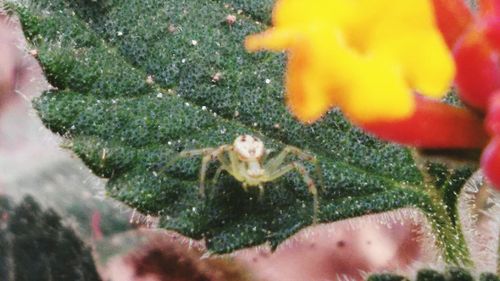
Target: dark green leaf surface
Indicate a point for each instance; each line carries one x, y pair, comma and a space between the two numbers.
35, 245
430, 275
451, 274
99, 54
386, 277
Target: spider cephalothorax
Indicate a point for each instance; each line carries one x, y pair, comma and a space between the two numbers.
244, 160
249, 147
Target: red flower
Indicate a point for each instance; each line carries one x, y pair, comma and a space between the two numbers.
475, 42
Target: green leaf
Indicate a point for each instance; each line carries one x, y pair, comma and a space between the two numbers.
35, 245
386, 277
489, 277
99, 55
429, 275
451, 274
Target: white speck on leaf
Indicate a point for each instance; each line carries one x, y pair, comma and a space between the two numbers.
216, 77
230, 19
34, 52
172, 28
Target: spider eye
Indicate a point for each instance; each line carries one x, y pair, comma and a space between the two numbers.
248, 146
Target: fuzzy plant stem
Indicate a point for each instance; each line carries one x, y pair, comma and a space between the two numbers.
456, 250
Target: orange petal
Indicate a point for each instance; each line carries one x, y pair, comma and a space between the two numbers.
452, 17
433, 125
273, 39
492, 32
492, 122
490, 162
489, 8
478, 71
307, 96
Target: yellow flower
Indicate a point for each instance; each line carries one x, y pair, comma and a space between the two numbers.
365, 56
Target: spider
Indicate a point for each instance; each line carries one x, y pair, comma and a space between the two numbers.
244, 160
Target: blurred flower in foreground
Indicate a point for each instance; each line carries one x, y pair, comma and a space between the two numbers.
16, 69
369, 59
475, 41
10, 62
365, 56
477, 55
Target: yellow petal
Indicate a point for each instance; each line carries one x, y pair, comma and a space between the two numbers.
423, 57
300, 13
366, 56
429, 68
275, 39
379, 94
307, 94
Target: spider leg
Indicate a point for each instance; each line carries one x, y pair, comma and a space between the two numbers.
261, 191
217, 174
210, 156
195, 152
266, 155
307, 179
206, 152
276, 162
184, 154
189, 153
219, 171
203, 172
234, 163
225, 162
219, 153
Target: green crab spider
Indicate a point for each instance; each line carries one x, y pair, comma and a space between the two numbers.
244, 160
